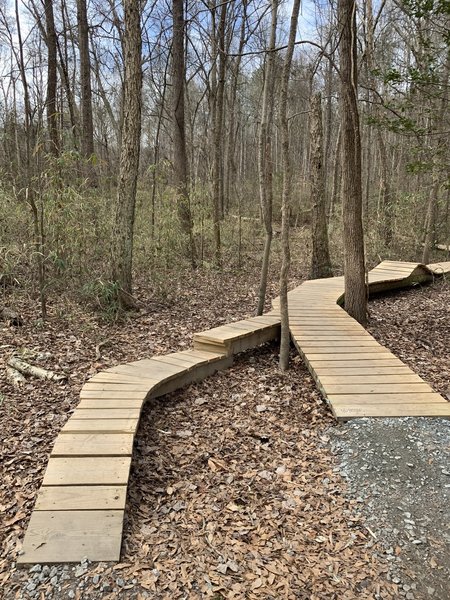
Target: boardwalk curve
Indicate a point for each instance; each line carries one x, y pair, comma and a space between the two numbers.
80, 507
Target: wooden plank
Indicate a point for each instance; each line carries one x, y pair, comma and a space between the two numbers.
93, 444
343, 412
82, 497
341, 343
370, 370
106, 413
115, 387
151, 369
100, 426
96, 470
352, 357
327, 333
320, 320
248, 325
206, 356
318, 365
319, 327
172, 359
439, 268
369, 379
363, 399
207, 346
69, 536
376, 388
322, 349
267, 319
116, 394
308, 339
122, 379
110, 403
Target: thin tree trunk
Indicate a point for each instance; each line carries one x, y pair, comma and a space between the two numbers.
287, 184
87, 131
180, 165
336, 170
320, 263
354, 263
122, 246
440, 152
220, 57
52, 77
265, 157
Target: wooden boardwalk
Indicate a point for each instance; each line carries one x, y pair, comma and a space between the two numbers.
358, 376
80, 507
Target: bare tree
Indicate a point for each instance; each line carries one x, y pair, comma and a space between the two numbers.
122, 248
354, 263
320, 261
52, 78
287, 185
87, 131
265, 155
180, 162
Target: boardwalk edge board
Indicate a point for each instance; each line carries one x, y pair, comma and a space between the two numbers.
79, 510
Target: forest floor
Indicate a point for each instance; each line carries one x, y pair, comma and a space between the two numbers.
242, 486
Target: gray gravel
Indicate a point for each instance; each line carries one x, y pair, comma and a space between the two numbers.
398, 470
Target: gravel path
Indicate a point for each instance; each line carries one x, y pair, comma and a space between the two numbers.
399, 471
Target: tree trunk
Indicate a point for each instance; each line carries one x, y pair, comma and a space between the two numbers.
180, 165
217, 116
87, 131
122, 246
287, 183
265, 157
354, 263
336, 172
320, 263
52, 77
440, 156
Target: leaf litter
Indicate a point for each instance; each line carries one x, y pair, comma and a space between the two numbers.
225, 500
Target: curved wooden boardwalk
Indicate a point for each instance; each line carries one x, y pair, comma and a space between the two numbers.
358, 376
80, 506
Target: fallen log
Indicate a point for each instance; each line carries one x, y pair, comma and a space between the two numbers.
14, 376
27, 369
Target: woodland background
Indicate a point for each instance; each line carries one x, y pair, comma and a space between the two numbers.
61, 117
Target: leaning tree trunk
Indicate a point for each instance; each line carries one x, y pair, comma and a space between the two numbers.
180, 165
286, 196
265, 158
354, 264
122, 245
320, 262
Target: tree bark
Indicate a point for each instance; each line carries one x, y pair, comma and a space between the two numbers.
354, 262
286, 196
180, 163
87, 131
122, 247
218, 84
52, 77
265, 157
440, 156
320, 262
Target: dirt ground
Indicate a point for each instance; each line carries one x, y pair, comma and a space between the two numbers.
242, 486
